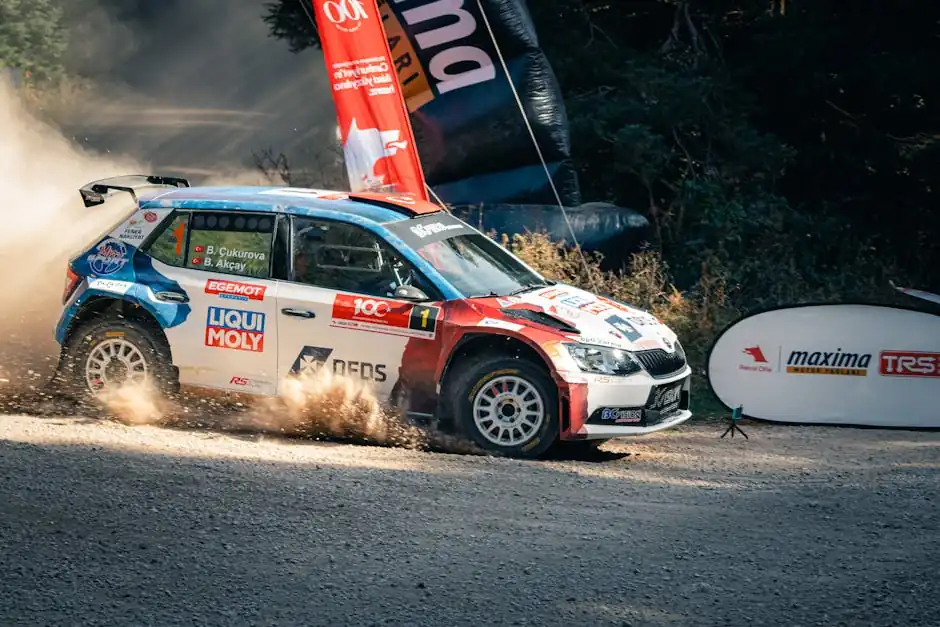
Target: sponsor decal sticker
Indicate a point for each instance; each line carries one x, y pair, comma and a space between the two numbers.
576, 300
616, 305
909, 364
599, 341
837, 362
234, 290
312, 358
386, 316
109, 257
552, 293
595, 308
564, 312
235, 329
621, 324
499, 324
245, 382
132, 234
110, 285
755, 361
425, 230
150, 216
622, 415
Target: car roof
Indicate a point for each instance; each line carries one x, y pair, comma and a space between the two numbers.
381, 208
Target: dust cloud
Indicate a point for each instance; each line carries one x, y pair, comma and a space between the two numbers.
44, 223
319, 405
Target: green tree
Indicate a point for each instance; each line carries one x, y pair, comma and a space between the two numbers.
32, 37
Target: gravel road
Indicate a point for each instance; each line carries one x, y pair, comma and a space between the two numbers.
105, 524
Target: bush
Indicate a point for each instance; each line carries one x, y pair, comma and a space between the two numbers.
696, 315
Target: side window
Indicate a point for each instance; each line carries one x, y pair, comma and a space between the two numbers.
231, 243
170, 246
348, 258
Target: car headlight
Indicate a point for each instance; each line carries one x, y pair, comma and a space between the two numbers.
603, 360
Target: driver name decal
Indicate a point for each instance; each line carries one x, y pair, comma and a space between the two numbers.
385, 316
235, 329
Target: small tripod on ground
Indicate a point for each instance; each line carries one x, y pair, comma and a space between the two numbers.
735, 416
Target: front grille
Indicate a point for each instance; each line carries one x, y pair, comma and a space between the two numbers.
658, 363
663, 403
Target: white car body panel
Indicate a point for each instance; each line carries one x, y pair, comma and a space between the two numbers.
308, 344
229, 341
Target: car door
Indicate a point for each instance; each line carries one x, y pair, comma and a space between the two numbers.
221, 264
337, 312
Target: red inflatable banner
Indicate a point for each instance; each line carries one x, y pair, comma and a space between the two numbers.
375, 130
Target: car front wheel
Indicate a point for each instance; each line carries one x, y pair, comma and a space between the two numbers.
506, 405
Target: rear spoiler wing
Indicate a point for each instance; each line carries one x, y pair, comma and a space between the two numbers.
94, 193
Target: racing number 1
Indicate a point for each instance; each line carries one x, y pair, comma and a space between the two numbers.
424, 318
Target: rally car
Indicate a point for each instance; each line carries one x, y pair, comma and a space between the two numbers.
240, 288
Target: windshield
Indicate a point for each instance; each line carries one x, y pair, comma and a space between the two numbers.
470, 261
478, 266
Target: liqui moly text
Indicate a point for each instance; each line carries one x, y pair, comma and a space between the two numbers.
235, 329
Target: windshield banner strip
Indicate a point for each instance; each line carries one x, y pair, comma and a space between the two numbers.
420, 232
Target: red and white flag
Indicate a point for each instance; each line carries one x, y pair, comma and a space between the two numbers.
375, 130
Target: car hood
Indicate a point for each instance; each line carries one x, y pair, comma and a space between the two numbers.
597, 319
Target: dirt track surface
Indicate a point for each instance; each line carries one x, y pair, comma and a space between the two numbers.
102, 524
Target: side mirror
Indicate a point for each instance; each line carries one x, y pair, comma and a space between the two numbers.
412, 293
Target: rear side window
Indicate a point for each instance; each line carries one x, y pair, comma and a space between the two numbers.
219, 241
231, 243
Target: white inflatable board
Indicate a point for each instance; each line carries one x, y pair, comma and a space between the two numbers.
862, 365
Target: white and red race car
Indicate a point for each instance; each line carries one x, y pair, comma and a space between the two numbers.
239, 288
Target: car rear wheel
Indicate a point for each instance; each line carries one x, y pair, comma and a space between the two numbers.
506, 405
111, 352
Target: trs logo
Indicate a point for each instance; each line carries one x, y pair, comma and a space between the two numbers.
235, 329
363, 150
909, 364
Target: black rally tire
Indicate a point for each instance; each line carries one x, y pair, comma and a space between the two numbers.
472, 375
147, 340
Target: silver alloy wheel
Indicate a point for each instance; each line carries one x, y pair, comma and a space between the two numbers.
508, 411
114, 362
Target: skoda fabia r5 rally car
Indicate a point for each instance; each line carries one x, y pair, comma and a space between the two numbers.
239, 288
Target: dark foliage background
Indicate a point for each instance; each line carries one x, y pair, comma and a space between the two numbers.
784, 148
788, 146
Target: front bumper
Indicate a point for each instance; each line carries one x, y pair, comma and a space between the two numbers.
609, 407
